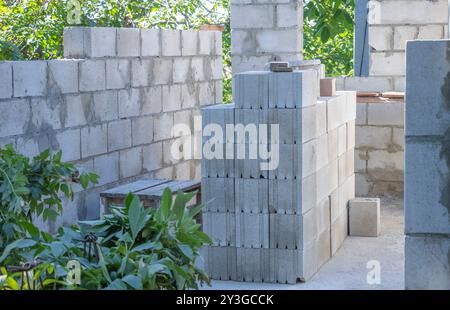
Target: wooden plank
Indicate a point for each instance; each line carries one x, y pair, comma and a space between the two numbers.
123, 190
393, 95
157, 191
368, 94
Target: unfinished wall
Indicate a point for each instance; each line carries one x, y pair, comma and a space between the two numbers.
427, 164
113, 110
265, 30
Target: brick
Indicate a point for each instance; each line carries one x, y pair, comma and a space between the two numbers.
255, 203
171, 98
381, 38
218, 194
119, 135
163, 127
403, 34
14, 118
107, 167
371, 137
252, 230
141, 72
63, 76
92, 75
162, 71
260, 16
150, 42
220, 227
94, 140
151, 100
130, 162
171, 42
189, 39
180, 69
6, 87
142, 130
30, 78
77, 110
386, 113
105, 105
45, 115
289, 15
152, 156
69, 142
118, 73
426, 263
365, 217
387, 63
128, 42
129, 101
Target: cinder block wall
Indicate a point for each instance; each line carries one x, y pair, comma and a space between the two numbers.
111, 105
265, 30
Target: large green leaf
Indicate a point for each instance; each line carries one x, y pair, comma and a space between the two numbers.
18, 244
133, 281
137, 215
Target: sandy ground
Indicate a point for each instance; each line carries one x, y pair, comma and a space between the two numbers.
348, 269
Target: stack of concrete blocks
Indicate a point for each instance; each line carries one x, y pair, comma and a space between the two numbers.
110, 106
279, 225
427, 165
265, 30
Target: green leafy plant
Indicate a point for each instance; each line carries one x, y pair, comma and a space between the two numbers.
135, 248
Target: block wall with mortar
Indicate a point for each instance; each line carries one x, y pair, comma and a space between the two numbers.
111, 104
279, 225
427, 166
265, 30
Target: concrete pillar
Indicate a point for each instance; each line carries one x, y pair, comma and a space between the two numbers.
265, 30
427, 165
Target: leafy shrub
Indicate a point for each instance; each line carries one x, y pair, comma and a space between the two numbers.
135, 248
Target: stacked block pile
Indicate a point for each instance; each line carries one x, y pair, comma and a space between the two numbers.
279, 225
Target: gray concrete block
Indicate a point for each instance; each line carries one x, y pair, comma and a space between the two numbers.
150, 42
220, 227
45, 115
118, 73
162, 71
218, 194
105, 106
130, 162
427, 81
206, 93
221, 263
142, 130
427, 263
171, 98
339, 232
255, 203
252, 90
73, 38
152, 157
252, 230
128, 42
94, 140
63, 76
69, 141
141, 72
189, 39
170, 42
285, 196
119, 135
107, 167
77, 110
162, 126
336, 111
6, 87
30, 78
296, 161
92, 75
181, 66
286, 231
129, 101
99, 42
251, 264
427, 207
365, 217
15, 116
151, 100
206, 44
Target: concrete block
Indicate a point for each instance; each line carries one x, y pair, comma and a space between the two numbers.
100, 42
279, 41
287, 231
141, 72
333, 144
296, 161
183, 170
94, 140
385, 165
162, 126
427, 265
322, 156
298, 89
403, 34
216, 68
365, 217
361, 114
6, 87
250, 120
181, 69
362, 186
336, 110
221, 263
371, 137
206, 95
346, 164
246, 63
371, 83
251, 264
381, 38
15, 117
218, 194
252, 90
189, 39
197, 69
77, 110
92, 75
152, 157
386, 113
69, 141
261, 16
427, 64
107, 167
218, 43
391, 63
45, 115
206, 44
342, 139
171, 98
142, 130
162, 71
171, 42
150, 42
257, 202
398, 138
339, 232
30, 78
105, 105
130, 162
118, 73
426, 203
430, 32
151, 100
128, 42
129, 101
220, 227
289, 15
252, 230
119, 135
63, 76
73, 38
219, 91
399, 83
321, 117
285, 197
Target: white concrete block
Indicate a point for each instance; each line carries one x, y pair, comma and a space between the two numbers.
92, 75
189, 94
336, 111
381, 38
387, 64
181, 69
6, 87
162, 126
371, 83
293, 90
142, 130
129, 101
15, 117
206, 43
384, 160
69, 141
128, 42
339, 232
119, 135
130, 162
351, 135
403, 34
118, 73
260, 16
171, 98
141, 72
206, 93
171, 42
152, 156
94, 140
63, 76
430, 32
321, 117
105, 105
391, 113
252, 90
342, 139
30, 78
189, 39
107, 167
76, 105
365, 217
151, 100
279, 41
150, 42
45, 114
361, 114
100, 42
373, 137
162, 71
289, 15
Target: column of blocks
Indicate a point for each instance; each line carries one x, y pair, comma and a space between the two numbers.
287, 221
